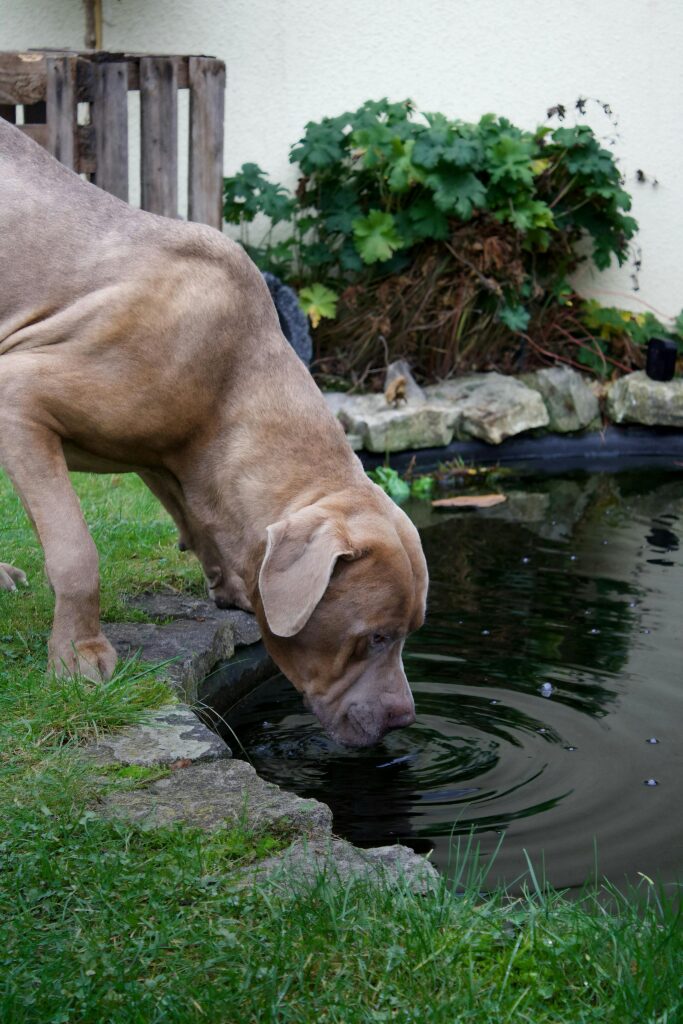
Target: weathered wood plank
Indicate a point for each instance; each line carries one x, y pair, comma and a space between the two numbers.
37, 132
22, 78
207, 113
110, 120
159, 135
61, 109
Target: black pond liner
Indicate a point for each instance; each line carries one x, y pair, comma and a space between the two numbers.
610, 450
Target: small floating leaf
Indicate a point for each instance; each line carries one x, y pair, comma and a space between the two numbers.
470, 501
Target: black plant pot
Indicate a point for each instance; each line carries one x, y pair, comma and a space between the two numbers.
661, 359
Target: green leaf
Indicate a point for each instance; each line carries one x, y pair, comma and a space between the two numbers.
317, 301
391, 483
403, 172
515, 317
533, 213
341, 212
422, 487
349, 258
426, 220
457, 191
463, 152
678, 325
376, 237
317, 254
511, 158
321, 147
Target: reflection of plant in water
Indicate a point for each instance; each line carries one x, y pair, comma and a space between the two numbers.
540, 615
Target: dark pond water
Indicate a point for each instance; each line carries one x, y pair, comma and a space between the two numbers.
548, 683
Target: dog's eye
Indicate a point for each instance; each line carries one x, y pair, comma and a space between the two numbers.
378, 640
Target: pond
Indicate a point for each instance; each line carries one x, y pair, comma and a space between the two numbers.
548, 686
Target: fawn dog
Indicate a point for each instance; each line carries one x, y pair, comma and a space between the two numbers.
136, 343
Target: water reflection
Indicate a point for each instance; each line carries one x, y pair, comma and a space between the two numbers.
549, 656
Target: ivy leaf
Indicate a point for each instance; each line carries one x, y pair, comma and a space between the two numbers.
457, 191
317, 301
515, 317
376, 237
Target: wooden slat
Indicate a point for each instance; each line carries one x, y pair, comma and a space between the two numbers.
85, 135
207, 112
159, 135
37, 132
61, 109
22, 78
110, 120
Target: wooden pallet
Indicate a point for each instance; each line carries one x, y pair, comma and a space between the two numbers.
49, 85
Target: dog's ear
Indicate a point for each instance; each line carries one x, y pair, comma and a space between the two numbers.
300, 555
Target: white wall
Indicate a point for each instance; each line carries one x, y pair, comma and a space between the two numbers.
290, 61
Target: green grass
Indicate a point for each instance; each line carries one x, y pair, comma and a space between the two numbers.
103, 922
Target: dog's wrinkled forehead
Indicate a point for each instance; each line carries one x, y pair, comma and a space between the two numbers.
377, 590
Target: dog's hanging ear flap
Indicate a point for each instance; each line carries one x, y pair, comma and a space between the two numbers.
300, 555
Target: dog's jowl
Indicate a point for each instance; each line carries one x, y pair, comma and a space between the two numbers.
135, 343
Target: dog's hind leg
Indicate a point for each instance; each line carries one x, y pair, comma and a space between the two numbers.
33, 457
9, 577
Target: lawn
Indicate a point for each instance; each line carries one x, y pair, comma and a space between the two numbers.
102, 922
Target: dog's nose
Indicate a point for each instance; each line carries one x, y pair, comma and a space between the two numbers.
399, 716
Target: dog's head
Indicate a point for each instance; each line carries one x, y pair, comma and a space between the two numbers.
341, 584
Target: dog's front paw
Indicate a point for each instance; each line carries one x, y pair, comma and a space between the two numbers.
9, 577
94, 658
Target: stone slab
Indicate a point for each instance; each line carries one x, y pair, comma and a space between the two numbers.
386, 429
490, 406
570, 400
338, 861
216, 793
169, 735
190, 648
636, 398
163, 606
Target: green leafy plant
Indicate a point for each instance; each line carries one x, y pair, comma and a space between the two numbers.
429, 237
401, 488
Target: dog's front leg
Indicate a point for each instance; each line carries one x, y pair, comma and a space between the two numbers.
34, 460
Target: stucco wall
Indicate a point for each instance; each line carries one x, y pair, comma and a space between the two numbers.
290, 62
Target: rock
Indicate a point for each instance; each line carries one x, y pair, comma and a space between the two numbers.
171, 734
569, 399
215, 793
636, 398
190, 648
184, 606
341, 862
490, 406
414, 395
232, 680
385, 429
293, 320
